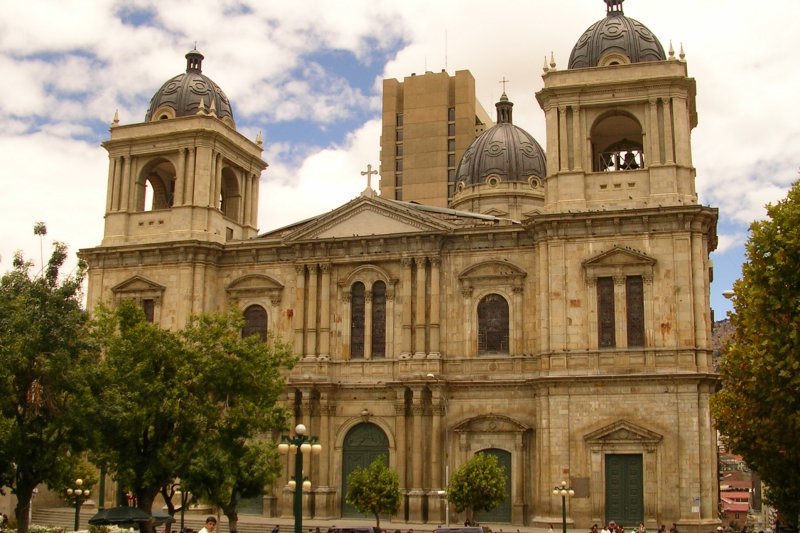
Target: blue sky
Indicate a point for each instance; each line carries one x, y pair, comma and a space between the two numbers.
308, 75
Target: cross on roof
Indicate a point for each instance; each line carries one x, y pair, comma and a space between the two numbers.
504, 81
368, 173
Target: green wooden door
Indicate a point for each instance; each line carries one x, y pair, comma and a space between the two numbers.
501, 513
624, 489
363, 444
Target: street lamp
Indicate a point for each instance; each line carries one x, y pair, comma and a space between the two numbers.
563, 491
299, 444
80, 495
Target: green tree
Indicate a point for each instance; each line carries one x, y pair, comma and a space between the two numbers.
374, 489
168, 400
43, 386
758, 409
478, 485
233, 461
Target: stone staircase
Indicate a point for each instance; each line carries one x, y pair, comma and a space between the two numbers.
64, 517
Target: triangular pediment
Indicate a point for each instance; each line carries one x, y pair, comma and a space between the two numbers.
368, 216
491, 423
496, 212
491, 270
623, 432
620, 256
255, 286
137, 284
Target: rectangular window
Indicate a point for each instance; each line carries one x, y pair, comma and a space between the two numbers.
398, 134
451, 130
149, 308
451, 160
398, 179
398, 149
398, 194
451, 175
605, 313
398, 164
399, 118
634, 295
451, 114
451, 145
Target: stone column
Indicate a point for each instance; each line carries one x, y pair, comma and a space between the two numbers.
299, 304
400, 429
311, 319
655, 144
419, 319
576, 139
518, 330
325, 312
416, 495
190, 176
391, 348
435, 307
435, 500
368, 324
127, 186
591, 313
469, 327
180, 178
406, 307
110, 186
254, 200
248, 186
326, 492
518, 467
563, 159
668, 144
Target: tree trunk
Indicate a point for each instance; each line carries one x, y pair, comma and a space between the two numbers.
378, 521
22, 510
233, 518
144, 501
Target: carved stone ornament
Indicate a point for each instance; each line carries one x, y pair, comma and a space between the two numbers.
255, 286
622, 432
138, 288
491, 423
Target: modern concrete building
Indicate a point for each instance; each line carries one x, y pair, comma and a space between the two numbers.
549, 306
428, 122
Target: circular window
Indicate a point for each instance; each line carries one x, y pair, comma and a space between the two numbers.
460, 186
493, 181
534, 182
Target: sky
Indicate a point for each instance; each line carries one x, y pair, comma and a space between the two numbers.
308, 75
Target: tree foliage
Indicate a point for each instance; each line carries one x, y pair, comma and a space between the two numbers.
167, 399
758, 409
374, 489
478, 485
43, 358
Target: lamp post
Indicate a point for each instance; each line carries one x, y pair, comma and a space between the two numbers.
299, 444
80, 495
563, 490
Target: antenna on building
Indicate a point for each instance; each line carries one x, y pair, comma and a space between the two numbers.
445, 50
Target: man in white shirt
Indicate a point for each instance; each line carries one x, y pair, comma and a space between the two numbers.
211, 525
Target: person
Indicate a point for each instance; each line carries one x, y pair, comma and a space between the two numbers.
550, 529
211, 525
276, 529
674, 528
607, 528
4, 522
642, 528
593, 529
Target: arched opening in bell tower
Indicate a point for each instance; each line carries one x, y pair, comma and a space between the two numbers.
155, 188
229, 194
617, 143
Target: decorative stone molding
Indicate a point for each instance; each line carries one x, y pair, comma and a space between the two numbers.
617, 263
255, 286
138, 289
622, 432
491, 423
493, 274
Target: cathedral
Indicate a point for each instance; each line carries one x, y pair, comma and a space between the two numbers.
545, 301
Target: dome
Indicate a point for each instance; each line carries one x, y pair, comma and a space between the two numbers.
504, 151
616, 39
182, 95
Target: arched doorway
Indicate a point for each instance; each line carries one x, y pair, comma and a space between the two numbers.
501, 513
363, 444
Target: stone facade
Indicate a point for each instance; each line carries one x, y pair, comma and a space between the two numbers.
573, 342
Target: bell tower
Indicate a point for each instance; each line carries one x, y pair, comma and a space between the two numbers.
184, 173
619, 121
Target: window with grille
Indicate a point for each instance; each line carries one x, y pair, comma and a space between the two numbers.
492, 324
255, 322
605, 313
379, 319
357, 310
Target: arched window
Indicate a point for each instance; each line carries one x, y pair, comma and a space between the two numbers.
492, 324
617, 144
379, 319
255, 322
230, 196
357, 310
156, 187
